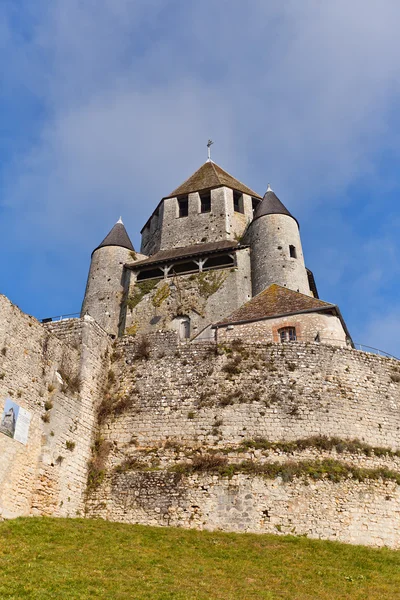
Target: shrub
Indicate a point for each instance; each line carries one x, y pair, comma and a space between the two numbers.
51, 388
232, 366
46, 417
69, 445
208, 462
395, 377
143, 348
96, 465
48, 405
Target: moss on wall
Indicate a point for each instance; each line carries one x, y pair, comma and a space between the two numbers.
141, 289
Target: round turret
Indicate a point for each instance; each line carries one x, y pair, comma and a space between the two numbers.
276, 252
105, 286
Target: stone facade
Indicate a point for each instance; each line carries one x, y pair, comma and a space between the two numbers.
202, 297
105, 287
166, 229
324, 327
186, 401
58, 379
156, 405
272, 236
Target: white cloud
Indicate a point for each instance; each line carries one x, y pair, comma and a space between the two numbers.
303, 94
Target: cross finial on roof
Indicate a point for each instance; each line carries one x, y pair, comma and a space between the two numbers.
120, 221
269, 188
209, 144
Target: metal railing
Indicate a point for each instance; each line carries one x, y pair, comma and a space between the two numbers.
372, 350
323, 340
343, 344
60, 318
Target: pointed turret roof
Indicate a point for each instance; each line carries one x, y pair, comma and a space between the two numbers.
276, 301
271, 205
209, 176
118, 236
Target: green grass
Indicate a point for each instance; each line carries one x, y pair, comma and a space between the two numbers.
42, 558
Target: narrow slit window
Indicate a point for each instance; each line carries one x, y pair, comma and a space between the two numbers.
237, 202
183, 207
205, 202
292, 252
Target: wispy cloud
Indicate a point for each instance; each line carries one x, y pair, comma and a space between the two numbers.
118, 99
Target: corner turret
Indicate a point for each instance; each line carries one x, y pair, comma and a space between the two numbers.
276, 251
105, 284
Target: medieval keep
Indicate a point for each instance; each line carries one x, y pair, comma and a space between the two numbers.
217, 261
205, 385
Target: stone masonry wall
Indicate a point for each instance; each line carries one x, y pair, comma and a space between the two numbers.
186, 401
308, 326
205, 298
56, 373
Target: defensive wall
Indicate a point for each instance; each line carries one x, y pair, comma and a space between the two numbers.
251, 437
234, 436
54, 372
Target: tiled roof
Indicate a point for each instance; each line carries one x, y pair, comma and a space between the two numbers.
271, 205
187, 251
210, 176
275, 300
117, 237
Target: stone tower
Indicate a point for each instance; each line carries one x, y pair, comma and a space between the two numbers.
105, 285
210, 206
276, 252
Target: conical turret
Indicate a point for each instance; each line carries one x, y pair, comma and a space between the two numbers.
276, 251
118, 236
105, 284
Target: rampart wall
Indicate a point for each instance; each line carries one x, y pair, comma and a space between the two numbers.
192, 446
56, 373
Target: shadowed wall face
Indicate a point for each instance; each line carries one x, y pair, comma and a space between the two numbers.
277, 254
105, 287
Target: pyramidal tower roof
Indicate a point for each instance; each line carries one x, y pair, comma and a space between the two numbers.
118, 236
271, 205
210, 175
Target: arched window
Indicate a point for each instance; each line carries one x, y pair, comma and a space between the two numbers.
287, 334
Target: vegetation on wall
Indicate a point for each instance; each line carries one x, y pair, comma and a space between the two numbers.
141, 289
160, 295
96, 467
210, 282
330, 469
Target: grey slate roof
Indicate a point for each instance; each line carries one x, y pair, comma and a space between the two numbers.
271, 205
209, 176
117, 237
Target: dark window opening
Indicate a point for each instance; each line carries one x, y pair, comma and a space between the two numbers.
221, 261
238, 202
183, 205
184, 267
287, 334
255, 204
205, 202
292, 252
150, 274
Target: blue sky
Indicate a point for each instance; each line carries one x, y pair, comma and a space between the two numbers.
107, 105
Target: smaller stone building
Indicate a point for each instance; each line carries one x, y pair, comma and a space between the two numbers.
281, 315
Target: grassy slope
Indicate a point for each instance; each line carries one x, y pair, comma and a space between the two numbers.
80, 559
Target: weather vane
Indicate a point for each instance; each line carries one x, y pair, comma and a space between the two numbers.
209, 144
